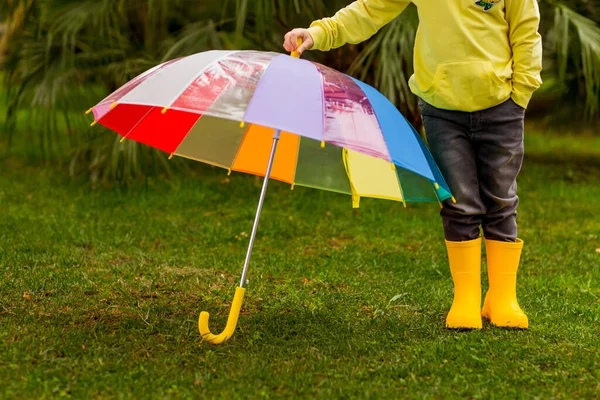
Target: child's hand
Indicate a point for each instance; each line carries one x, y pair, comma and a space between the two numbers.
291, 40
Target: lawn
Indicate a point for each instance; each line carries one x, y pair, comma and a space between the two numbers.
100, 290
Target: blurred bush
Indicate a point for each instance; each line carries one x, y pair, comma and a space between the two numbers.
61, 56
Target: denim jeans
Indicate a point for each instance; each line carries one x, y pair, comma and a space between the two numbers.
480, 154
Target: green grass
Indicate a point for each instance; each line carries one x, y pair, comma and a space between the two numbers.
341, 304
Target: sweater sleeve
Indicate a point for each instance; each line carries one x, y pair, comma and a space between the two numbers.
523, 17
355, 23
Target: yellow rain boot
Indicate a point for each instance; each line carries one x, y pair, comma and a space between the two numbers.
465, 266
500, 306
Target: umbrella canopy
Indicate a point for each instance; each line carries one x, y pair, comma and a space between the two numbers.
223, 107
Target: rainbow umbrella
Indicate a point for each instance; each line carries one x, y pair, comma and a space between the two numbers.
280, 117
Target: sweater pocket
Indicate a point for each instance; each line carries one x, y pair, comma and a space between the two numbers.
466, 86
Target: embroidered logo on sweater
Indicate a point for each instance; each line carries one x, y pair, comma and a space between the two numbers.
487, 4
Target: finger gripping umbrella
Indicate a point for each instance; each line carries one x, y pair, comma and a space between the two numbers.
280, 117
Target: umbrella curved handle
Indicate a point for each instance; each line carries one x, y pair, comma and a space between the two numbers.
234, 313
295, 54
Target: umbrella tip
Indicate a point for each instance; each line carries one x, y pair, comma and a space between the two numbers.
113, 105
453, 200
93, 123
229, 172
436, 186
242, 124
171, 156
164, 110
322, 144
88, 111
122, 139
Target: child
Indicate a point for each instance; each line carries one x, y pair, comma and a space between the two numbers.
477, 63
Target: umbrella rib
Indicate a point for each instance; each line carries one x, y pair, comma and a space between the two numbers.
188, 132
436, 194
297, 161
136, 125
239, 148
399, 184
206, 67
355, 195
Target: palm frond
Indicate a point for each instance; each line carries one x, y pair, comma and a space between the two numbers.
388, 57
576, 41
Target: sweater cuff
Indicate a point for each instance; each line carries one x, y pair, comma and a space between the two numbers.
319, 37
521, 94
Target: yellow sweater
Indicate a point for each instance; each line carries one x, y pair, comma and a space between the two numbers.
469, 55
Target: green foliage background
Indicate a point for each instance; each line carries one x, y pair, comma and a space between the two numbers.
62, 56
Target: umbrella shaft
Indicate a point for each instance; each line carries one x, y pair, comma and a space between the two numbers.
260, 205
